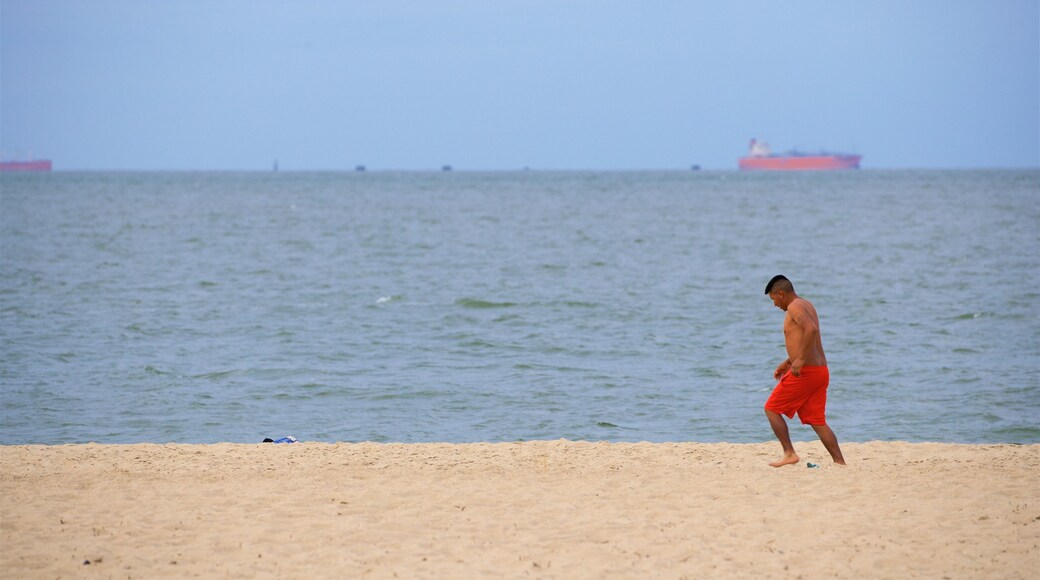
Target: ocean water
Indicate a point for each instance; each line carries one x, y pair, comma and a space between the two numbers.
412, 306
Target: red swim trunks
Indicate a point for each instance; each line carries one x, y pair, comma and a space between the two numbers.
805, 395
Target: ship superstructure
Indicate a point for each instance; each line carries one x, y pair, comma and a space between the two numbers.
761, 158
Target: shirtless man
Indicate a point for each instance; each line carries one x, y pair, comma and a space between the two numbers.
803, 376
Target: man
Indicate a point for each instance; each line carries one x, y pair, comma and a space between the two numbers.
803, 376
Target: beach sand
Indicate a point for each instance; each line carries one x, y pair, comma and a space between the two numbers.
543, 509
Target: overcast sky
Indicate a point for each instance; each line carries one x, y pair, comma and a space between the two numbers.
211, 84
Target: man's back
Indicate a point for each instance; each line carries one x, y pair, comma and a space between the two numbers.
801, 316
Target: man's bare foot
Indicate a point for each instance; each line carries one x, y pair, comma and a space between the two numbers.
786, 460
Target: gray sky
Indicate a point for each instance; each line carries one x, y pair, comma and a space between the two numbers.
227, 84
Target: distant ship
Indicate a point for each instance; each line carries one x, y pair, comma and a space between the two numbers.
37, 165
760, 158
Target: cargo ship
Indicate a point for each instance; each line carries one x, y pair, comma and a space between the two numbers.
760, 158
37, 165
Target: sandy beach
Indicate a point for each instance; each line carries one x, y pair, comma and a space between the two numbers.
543, 509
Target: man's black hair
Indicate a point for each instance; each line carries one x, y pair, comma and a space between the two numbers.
774, 280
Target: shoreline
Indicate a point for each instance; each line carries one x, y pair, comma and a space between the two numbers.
554, 509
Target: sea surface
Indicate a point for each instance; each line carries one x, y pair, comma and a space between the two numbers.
506, 306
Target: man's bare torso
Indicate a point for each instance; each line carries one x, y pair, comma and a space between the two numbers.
798, 311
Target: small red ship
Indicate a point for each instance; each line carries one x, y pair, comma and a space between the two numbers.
760, 158
36, 165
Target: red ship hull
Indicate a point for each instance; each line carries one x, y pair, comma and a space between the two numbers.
38, 165
799, 162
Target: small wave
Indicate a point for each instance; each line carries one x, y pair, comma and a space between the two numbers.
149, 369
1018, 434
475, 303
284, 396
577, 304
408, 395
708, 373
215, 375
478, 343
972, 315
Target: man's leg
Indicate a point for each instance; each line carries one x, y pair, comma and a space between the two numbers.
779, 426
830, 441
